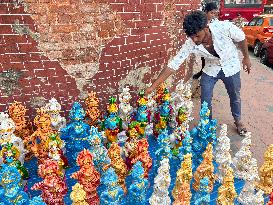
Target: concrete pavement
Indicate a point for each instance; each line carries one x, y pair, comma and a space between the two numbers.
257, 108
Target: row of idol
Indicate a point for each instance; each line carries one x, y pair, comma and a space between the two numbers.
21, 141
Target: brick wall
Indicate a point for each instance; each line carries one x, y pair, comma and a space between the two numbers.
66, 48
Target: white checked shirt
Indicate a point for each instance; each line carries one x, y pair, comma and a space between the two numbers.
224, 33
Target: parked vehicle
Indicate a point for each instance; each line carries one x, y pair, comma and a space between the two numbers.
229, 9
259, 30
267, 52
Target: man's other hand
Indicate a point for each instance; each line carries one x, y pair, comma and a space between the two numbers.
149, 90
246, 64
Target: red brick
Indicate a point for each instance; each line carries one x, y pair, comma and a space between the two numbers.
144, 24
11, 48
157, 15
2, 40
130, 16
51, 64
64, 28
121, 1
145, 16
128, 47
27, 47
134, 1
160, 7
33, 65
149, 8
5, 29
117, 7
19, 10
27, 19
137, 31
130, 7
65, 9
17, 66
133, 39
4, 9
151, 1
10, 19
18, 57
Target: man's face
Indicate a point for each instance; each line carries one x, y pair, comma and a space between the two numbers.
199, 37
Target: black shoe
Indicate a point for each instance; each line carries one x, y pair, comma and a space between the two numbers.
197, 75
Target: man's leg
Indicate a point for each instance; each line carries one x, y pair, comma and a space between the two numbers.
207, 84
233, 86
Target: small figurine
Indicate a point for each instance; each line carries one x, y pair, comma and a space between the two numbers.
185, 148
227, 192
181, 192
266, 171
92, 112
163, 115
270, 202
203, 134
138, 189
53, 108
76, 132
40, 137
78, 195
55, 148
114, 153
130, 146
99, 152
23, 128
202, 197
205, 169
182, 103
124, 106
88, 177
222, 153
161, 185
114, 193
11, 191
248, 196
53, 186
7, 128
142, 115
112, 124
143, 156
164, 147
37, 200
245, 165
10, 155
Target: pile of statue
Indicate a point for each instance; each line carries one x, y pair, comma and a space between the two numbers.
106, 149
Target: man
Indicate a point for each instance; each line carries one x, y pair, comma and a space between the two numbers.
214, 42
211, 11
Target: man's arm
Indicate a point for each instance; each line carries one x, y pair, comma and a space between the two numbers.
173, 65
246, 60
238, 36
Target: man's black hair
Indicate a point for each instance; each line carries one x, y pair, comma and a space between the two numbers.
210, 6
194, 22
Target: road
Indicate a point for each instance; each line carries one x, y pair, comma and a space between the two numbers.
257, 108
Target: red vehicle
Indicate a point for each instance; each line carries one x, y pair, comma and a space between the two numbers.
267, 52
247, 8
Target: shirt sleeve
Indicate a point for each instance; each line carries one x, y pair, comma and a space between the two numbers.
234, 32
182, 55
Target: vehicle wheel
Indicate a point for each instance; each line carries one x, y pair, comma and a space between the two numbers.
264, 57
257, 48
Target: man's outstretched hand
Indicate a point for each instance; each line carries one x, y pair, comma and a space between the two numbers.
246, 64
148, 91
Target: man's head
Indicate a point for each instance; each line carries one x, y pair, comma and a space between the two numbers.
211, 10
195, 26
